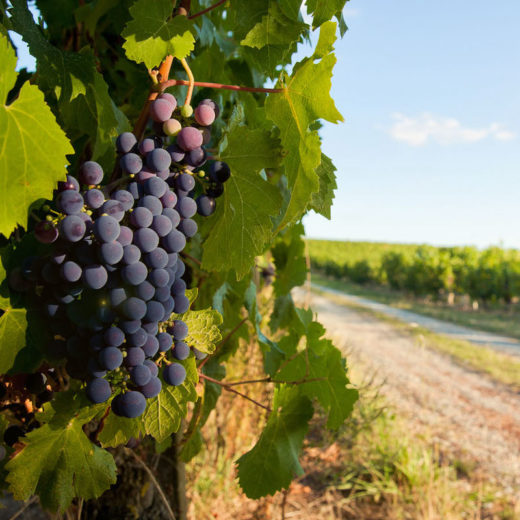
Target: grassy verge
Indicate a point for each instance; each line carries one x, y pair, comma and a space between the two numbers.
500, 367
373, 468
499, 319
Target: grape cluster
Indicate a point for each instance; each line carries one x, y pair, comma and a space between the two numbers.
113, 276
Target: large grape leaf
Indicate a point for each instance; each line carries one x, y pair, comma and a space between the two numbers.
323, 10
203, 329
58, 461
33, 147
242, 223
321, 201
273, 462
305, 99
153, 33
164, 413
118, 430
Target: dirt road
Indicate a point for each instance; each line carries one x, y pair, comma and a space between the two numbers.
466, 414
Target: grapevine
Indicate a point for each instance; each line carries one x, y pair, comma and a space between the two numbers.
134, 275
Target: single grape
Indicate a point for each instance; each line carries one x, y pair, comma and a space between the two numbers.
146, 146
179, 330
125, 198
125, 236
176, 153
35, 383
134, 274
134, 308
131, 163
204, 114
196, 158
129, 327
94, 369
181, 268
95, 276
212, 104
72, 228
198, 354
178, 287
186, 111
94, 198
90, 173
70, 271
174, 374
184, 182
138, 338
174, 241
158, 160
144, 175
169, 199
117, 296
171, 127
152, 203
151, 347
172, 260
189, 138
131, 254
168, 306
70, 184
161, 110
151, 327
205, 205
131, 404
146, 239
140, 375
145, 291
98, 390
114, 337
134, 356
162, 294
165, 341
141, 217
186, 207
154, 369
173, 215
135, 189
154, 311
156, 259
70, 202
181, 350
219, 171
114, 208
110, 358
125, 142
111, 252
215, 190
106, 228
155, 186
162, 225
188, 227
45, 232
170, 98
152, 388
165, 174
182, 304
158, 277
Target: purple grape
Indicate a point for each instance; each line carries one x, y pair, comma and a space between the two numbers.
165, 341
154, 311
145, 291
186, 207
156, 259
141, 217
168, 305
152, 203
70, 271
188, 227
131, 163
198, 354
174, 374
125, 142
129, 327
162, 225
117, 296
179, 271
151, 347
152, 388
169, 199
179, 287
179, 330
106, 228
158, 277
45, 232
176, 153
181, 350
173, 215
131, 404
162, 294
114, 337
154, 369
95, 276
138, 338
204, 114
159, 159
185, 182
189, 138
134, 356
134, 274
212, 104
171, 127
135, 189
146, 146
170, 98
90, 173
140, 375
165, 174
70, 202
151, 327
146, 239
144, 175
205, 205
98, 390
125, 198
111, 252
134, 308
125, 236
206, 135
172, 260
70, 184
215, 190
161, 110
72, 228
113, 208
182, 304
94, 198
110, 358
155, 186
219, 171
131, 254
94, 369
174, 241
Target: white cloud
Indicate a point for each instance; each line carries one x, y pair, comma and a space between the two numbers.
416, 131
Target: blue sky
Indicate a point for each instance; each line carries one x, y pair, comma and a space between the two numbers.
430, 148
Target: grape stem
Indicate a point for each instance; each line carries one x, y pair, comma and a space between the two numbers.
225, 386
173, 82
207, 10
191, 81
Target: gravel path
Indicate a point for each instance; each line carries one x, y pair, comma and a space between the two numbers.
466, 414
479, 337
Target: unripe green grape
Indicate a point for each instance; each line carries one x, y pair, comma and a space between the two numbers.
186, 111
172, 127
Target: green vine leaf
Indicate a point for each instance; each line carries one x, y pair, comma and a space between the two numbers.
164, 413
203, 329
152, 33
273, 462
33, 149
242, 223
323, 10
58, 461
321, 201
118, 430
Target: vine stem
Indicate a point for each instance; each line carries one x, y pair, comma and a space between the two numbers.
154, 480
101, 424
207, 10
173, 82
191, 81
225, 386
